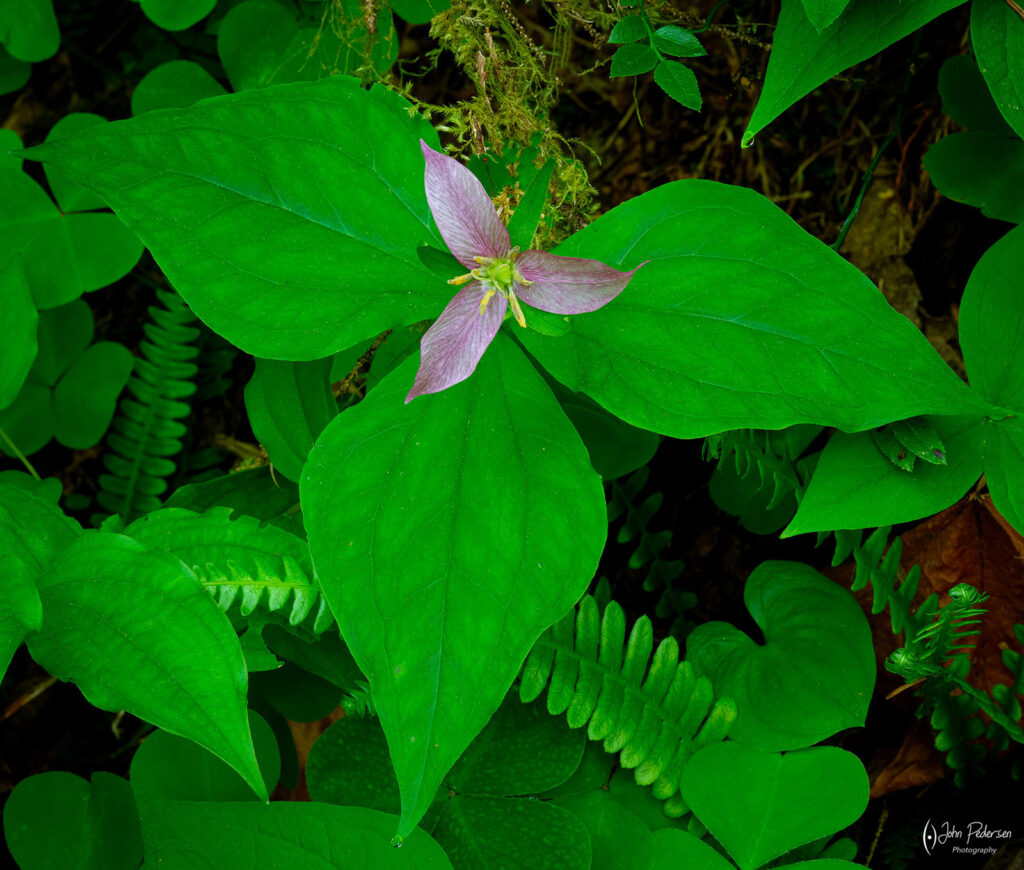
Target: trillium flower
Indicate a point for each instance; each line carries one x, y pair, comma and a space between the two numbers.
499, 277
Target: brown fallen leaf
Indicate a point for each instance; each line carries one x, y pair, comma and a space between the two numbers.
917, 763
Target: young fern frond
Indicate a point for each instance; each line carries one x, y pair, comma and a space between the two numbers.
260, 573
650, 545
936, 653
651, 709
148, 431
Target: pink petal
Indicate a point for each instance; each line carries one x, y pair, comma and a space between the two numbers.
462, 209
452, 347
568, 285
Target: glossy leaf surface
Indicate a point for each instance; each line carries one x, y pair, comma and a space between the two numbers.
809, 338
476, 523
135, 630
291, 247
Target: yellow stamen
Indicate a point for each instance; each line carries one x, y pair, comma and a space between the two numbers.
517, 312
485, 300
462, 279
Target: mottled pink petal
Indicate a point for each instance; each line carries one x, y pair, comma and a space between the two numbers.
567, 285
452, 347
462, 209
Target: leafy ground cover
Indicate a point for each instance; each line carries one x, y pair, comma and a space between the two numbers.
551, 435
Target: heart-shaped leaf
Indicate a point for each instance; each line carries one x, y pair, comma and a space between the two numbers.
815, 672
759, 805
475, 523
57, 819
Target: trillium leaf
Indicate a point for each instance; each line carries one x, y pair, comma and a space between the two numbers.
741, 319
475, 523
419, 11
784, 801
814, 674
135, 630
998, 40
855, 487
802, 58
290, 246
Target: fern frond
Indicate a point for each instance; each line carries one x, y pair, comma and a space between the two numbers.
261, 573
652, 710
147, 432
650, 545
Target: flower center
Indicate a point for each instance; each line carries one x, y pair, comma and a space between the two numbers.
498, 275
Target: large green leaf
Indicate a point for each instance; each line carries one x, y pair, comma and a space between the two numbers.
802, 58
740, 319
855, 487
760, 805
135, 630
814, 674
291, 246
992, 323
998, 40
57, 819
196, 835
475, 523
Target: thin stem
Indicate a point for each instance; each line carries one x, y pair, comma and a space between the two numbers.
869, 174
711, 15
20, 455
